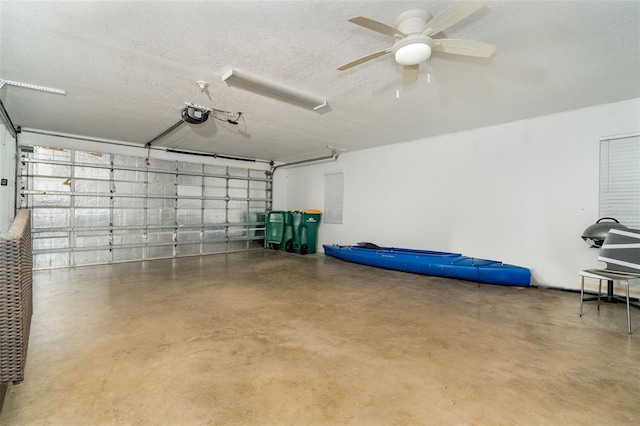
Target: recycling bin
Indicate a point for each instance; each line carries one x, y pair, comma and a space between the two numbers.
305, 230
279, 232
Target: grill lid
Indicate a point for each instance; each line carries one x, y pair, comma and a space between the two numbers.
595, 234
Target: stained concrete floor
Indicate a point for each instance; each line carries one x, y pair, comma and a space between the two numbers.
274, 338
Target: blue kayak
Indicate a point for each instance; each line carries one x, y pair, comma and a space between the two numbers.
437, 263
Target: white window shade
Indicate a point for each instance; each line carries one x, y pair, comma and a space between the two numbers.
620, 180
333, 197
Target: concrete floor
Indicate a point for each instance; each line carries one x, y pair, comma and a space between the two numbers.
274, 338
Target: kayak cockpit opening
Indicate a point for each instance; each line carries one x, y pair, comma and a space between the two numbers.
369, 246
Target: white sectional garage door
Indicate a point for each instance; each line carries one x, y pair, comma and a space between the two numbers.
93, 208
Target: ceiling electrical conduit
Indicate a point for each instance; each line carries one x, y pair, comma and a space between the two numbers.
335, 153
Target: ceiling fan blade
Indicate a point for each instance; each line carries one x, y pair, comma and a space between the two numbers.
410, 74
364, 59
377, 26
452, 15
464, 47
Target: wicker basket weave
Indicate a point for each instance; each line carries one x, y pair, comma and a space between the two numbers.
16, 303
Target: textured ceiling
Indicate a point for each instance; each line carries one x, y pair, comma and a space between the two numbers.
128, 68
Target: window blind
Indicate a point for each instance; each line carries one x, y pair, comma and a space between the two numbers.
620, 180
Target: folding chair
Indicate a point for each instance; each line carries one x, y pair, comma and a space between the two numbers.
621, 252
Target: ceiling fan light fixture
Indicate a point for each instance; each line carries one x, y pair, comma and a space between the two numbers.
413, 54
415, 31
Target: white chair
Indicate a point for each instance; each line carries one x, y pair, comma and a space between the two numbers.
621, 252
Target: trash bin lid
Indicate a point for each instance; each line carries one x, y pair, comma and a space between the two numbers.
312, 211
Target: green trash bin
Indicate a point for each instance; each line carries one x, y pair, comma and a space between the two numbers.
305, 230
279, 231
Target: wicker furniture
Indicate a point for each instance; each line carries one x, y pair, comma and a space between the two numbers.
16, 304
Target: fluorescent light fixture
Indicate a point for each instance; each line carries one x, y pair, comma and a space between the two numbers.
32, 86
265, 88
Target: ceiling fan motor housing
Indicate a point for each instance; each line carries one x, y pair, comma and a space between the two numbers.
413, 21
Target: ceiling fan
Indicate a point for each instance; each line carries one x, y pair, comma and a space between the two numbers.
416, 37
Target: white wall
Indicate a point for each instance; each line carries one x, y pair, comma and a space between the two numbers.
521, 192
7, 171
